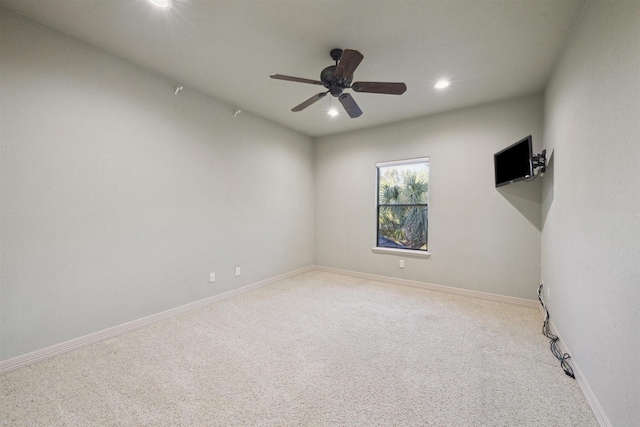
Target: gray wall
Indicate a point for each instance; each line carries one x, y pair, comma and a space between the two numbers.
118, 198
480, 238
591, 204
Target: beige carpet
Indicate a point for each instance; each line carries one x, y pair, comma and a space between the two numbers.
316, 350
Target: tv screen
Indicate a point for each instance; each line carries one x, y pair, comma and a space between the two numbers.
513, 163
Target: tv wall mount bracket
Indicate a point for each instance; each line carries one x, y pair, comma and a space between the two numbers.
540, 161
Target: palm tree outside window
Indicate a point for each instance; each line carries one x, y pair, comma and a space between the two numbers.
403, 204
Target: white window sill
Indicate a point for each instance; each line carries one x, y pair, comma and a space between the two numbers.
401, 252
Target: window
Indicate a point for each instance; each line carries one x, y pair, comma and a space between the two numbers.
403, 203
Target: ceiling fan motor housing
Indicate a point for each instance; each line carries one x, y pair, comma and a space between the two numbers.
335, 85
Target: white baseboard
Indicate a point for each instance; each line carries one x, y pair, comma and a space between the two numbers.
76, 343
582, 382
523, 302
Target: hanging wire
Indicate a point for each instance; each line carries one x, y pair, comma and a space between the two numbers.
553, 344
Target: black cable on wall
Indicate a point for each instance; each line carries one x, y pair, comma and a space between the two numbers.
563, 358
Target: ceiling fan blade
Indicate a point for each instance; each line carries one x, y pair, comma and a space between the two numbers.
295, 79
350, 105
348, 63
380, 87
309, 101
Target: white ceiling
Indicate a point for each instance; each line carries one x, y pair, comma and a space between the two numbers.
490, 49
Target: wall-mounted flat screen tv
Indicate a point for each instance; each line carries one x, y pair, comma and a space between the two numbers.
514, 163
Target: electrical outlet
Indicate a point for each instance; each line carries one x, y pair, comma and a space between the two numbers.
237, 271
401, 263
212, 277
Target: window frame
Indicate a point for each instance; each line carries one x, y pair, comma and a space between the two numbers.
400, 251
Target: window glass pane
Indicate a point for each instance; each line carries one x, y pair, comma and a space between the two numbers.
402, 227
403, 184
403, 197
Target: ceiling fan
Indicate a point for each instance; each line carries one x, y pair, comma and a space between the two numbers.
337, 78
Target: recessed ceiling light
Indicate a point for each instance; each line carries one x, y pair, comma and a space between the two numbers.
161, 4
332, 112
441, 84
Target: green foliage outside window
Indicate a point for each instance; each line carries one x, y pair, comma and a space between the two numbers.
403, 194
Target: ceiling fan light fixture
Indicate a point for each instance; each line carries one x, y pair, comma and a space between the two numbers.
332, 112
162, 4
337, 78
441, 84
